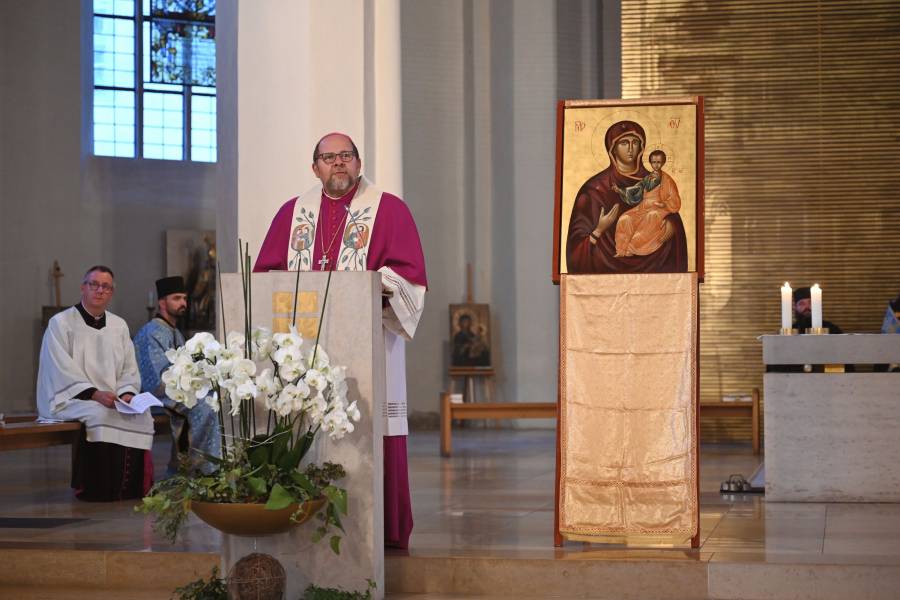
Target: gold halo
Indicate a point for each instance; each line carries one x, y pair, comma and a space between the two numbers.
598, 141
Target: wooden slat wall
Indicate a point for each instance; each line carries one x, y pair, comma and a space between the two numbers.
802, 159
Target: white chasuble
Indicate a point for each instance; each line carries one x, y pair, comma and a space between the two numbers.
76, 357
403, 309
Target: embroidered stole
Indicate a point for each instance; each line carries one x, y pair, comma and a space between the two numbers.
357, 230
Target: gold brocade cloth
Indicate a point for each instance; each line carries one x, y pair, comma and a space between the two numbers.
628, 452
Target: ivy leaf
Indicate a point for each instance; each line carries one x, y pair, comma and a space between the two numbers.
336, 544
334, 517
257, 485
318, 535
279, 498
304, 482
337, 496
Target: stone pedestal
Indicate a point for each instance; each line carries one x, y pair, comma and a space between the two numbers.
832, 437
352, 335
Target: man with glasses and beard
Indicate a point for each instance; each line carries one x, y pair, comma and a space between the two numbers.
87, 364
194, 430
348, 224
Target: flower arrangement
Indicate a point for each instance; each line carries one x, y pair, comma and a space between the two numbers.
303, 392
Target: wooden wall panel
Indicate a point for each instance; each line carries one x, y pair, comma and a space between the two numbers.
802, 127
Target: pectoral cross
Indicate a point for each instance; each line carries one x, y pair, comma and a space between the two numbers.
323, 262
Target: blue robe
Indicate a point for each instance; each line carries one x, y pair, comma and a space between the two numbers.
202, 422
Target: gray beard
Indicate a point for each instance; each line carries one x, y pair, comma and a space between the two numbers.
336, 191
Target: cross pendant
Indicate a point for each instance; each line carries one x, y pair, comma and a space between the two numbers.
323, 262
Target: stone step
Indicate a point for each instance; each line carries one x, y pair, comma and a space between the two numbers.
686, 575
70, 573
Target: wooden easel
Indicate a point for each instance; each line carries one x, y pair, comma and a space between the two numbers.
470, 374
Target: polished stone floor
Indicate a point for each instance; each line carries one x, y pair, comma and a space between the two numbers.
495, 495
492, 500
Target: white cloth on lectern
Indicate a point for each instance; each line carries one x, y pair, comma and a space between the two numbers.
400, 316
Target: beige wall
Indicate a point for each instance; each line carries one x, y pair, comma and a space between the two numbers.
59, 202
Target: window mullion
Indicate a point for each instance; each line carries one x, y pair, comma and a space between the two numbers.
187, 122
139, 77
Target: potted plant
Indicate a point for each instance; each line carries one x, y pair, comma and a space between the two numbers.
259, 485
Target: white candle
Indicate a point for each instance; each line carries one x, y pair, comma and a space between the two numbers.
815, 296
787, 295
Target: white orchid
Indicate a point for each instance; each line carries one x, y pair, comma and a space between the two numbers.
291, 371
243, 368
203, 343
316, 379
266, 383
353, 412
205, 371
262, 342
321, 357
235, 341
286, 354
292, 338
213, 401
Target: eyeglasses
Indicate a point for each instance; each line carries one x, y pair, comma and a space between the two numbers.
328, 157
99, 287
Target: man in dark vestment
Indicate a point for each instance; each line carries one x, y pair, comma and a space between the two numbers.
803, 312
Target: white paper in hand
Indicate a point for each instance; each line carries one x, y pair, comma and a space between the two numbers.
139, 404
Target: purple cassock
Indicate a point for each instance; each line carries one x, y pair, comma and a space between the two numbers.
394, 244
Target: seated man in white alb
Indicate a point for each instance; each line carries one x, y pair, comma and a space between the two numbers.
87, 362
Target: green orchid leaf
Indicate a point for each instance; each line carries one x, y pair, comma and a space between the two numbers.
306, 442
259, 455
279, 498
336, 544
291, 460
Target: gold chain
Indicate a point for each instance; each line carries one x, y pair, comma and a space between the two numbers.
325, 251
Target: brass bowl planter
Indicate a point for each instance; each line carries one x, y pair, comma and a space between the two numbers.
253, 520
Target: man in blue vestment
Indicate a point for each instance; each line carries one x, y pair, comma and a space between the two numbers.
194, 430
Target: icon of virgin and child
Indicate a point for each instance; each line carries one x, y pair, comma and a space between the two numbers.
626, 218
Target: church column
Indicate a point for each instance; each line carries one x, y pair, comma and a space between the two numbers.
289, 72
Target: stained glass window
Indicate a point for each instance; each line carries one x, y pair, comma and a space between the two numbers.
183, 42
159, 102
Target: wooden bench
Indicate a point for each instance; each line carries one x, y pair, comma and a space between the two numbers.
730, 409
488, 410
23, 431
25, 434
547, 410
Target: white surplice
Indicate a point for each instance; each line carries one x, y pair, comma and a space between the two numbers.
76, 357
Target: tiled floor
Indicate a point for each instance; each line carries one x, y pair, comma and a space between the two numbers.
494, 500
